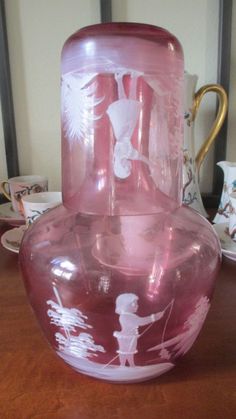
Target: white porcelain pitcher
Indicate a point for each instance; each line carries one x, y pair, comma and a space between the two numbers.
229, 187
193, 161
232, 216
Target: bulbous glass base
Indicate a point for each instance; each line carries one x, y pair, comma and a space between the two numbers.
120, 297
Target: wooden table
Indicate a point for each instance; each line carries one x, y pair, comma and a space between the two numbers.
35, 383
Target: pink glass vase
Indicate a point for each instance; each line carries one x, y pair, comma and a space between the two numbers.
121, 275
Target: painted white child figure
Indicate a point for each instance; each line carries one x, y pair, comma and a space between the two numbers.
127, 337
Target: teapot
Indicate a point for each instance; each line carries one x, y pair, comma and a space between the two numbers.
229, 187
193, 160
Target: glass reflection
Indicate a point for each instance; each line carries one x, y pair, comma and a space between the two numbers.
63, 268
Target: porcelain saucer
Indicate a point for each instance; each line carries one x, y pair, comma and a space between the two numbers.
9, 216
228, 246
11, 239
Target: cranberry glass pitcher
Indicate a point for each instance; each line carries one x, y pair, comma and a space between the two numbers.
121, 275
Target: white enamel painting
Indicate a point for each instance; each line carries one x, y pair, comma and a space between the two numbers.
124, 114
79, 349
79, 102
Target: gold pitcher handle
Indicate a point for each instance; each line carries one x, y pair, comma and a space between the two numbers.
3, 189
222, 109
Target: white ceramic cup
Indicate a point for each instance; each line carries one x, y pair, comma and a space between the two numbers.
38, 203
232, 216
15, 188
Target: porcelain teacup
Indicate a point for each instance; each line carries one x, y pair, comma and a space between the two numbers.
37, 204
14, 189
